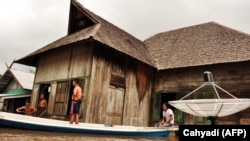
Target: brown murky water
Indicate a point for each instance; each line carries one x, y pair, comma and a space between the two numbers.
8, 134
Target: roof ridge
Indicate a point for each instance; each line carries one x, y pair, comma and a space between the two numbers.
205, 23
231, 28
172, 30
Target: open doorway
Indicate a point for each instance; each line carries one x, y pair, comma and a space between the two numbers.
71, 88
161, 98
165, 97
44, 89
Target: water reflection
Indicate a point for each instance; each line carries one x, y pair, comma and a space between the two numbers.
8, 134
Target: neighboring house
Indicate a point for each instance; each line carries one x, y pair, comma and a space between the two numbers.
183, 55
15, 87
126, 80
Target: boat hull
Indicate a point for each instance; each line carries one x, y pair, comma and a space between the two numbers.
136, 131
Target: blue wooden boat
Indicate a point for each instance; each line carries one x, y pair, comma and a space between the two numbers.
42, 124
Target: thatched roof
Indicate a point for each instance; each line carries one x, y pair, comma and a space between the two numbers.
102, 31
204, 44
120, 40
84, 34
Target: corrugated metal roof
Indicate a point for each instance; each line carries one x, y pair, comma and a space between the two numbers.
25, 79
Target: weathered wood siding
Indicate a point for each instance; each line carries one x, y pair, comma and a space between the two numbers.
233, 77
81, 59
35, 95
52, 97
112, 74
66, 62
63, 64
135, 112
98, 90
53, 65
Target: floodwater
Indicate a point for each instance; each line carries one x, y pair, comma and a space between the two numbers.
9, 134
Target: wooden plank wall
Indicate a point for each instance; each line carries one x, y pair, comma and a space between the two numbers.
233, 77
98, 90
135, 112
52, 97
53, 65
35, 95
63, 64
66, 62
81, 61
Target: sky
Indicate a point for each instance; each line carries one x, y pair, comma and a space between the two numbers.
27, 25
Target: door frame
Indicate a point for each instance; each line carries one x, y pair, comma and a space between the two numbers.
123, 102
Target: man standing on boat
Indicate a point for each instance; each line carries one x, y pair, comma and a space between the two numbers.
76, 102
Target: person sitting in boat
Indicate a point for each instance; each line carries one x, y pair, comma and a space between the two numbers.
27, 109
42, 107
76, 102
167, 116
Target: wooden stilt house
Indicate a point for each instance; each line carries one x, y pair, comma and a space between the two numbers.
114, 67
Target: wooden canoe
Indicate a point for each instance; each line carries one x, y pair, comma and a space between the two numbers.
35, 123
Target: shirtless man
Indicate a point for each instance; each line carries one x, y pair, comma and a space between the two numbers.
42, 107
76, 102
28, 109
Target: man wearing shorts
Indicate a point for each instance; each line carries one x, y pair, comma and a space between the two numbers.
76, 102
